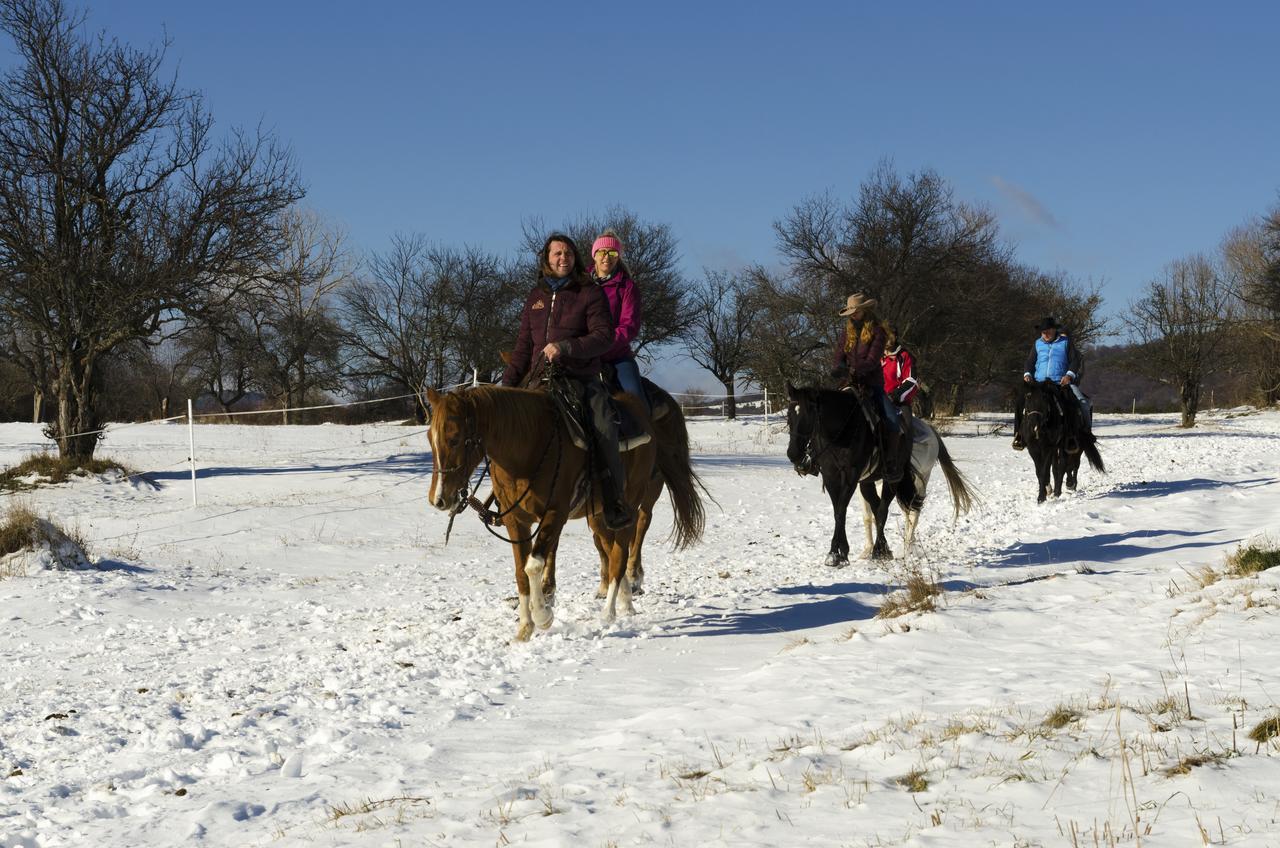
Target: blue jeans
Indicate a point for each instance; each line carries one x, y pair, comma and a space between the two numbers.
891, 413
628, 374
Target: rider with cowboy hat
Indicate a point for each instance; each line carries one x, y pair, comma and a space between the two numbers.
857, 361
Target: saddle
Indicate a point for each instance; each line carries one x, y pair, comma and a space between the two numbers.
569, 402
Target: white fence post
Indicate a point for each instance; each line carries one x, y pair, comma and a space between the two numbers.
191, 442
766, 408
475, 376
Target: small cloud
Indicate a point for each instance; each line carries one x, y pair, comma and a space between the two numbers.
1025, 201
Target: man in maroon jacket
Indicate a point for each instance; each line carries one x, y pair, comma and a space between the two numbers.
566, 321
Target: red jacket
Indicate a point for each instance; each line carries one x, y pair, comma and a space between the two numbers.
577, 314
900, 370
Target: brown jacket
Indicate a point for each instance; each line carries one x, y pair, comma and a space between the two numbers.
861, 363
577, 315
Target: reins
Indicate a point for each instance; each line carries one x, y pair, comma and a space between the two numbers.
491, 518
816, 431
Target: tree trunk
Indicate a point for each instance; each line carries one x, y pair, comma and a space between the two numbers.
730, 402
1189, 397
76, 416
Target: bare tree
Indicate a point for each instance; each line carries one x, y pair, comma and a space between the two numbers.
299, 340
119, 213
722, 314
938, 270
1251, 263
1182, 321
790, 332
423, 315
222, 351
652, 256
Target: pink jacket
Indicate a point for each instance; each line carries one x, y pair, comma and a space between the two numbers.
624, 305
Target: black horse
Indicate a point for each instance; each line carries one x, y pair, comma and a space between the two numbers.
1055, 435
832, 435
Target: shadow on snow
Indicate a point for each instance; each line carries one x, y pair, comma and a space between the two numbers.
1160, 488
1102, 547
396, 463
787, 618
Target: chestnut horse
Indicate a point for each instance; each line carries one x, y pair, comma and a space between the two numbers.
540, 477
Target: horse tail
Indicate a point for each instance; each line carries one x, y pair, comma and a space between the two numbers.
961, 494
1089, 444
677, 472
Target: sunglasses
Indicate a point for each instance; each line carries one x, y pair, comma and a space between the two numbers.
612, 254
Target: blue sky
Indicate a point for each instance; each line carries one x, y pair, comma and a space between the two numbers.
1109, 138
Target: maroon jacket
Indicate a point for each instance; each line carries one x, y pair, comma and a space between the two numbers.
862, 361
577, 315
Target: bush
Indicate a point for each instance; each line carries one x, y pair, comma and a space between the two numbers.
52, 470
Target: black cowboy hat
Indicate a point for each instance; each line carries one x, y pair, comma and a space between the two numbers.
1046, 323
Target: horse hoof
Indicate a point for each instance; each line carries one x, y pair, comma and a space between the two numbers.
543, 620
836, 561
602, 593
637, 589
525, 631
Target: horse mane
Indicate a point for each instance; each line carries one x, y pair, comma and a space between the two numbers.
835, 407
512, 415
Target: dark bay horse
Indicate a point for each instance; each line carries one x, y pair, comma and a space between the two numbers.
831, 433
1055, 436
540, 477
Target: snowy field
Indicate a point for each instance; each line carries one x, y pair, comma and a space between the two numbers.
301, 661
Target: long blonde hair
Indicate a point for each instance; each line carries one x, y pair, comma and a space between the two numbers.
869, 322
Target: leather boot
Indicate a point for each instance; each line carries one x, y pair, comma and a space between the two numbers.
604, 425
893, 454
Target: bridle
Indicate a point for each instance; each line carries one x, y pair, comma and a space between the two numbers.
810, 459
466, 496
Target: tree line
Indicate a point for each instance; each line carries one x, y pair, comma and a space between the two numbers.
144, 260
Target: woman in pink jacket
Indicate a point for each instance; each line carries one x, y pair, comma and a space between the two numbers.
612, 276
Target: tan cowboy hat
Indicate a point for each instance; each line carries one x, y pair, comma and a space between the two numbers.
856, 302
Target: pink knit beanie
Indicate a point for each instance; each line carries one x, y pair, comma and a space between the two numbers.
606, 242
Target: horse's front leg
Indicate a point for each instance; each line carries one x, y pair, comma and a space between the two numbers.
549, 576
603, 552
517, 529
1059, 468
880, 551
840, 493
1042, 477
544, 548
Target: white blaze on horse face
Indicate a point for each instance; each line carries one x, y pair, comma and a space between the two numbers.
435, 462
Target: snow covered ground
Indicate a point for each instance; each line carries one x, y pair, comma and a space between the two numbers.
301, 661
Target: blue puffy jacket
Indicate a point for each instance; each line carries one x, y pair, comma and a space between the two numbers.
1052, 360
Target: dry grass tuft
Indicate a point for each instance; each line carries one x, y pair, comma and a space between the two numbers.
18, 528
1187, 763
1060, 717
913, 781
1250, 560
51, 470
1266, 729
22, 529
917, 595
